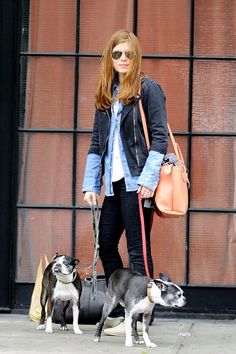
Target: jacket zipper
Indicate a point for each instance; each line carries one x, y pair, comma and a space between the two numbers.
129, 109
135, 138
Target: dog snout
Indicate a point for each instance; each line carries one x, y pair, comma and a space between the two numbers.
181, 302
57, 268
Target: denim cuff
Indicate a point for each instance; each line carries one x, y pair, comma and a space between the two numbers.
150, 175
92, 178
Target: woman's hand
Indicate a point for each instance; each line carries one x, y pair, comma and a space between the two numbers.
145, 192
90, 198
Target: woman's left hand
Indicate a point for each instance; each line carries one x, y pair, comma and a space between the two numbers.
145, 192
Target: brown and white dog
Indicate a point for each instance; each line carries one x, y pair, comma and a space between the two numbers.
60, 282
138, 294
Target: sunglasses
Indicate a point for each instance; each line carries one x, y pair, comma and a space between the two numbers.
117, 54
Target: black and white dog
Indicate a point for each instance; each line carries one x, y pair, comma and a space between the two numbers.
60, 282
138, 294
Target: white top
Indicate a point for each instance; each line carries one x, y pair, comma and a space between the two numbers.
117, 169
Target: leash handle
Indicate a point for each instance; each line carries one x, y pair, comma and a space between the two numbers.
143, 235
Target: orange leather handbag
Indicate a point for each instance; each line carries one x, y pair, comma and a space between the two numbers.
171, 195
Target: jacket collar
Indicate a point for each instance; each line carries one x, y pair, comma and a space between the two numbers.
126, 109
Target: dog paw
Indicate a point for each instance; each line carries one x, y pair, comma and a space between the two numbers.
41, 326
96, 339
48, 330
63, 328
77, 331
139, 341
152, 345
128, 344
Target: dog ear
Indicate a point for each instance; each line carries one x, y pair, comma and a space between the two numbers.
160, 285
55, 256
76, 261
164, 277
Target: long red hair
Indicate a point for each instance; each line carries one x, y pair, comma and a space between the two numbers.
131, 81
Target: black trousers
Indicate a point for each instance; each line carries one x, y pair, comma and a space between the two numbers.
121, 212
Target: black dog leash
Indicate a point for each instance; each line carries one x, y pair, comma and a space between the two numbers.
95, 222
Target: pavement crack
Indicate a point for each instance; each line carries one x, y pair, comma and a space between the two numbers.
182, 336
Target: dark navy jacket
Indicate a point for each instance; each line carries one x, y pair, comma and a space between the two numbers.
131, 129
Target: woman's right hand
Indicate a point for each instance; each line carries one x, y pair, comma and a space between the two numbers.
90, 198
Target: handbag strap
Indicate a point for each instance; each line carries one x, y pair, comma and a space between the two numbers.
144, 244
144, 122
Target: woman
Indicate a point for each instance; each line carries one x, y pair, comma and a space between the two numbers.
118, 151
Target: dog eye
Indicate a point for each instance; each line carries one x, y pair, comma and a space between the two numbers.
179, 294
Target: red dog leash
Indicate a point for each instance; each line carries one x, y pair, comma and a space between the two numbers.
143, 235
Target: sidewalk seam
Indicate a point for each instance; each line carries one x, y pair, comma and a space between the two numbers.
181, 339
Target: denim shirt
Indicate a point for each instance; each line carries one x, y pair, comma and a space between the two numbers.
148, 178
130, 182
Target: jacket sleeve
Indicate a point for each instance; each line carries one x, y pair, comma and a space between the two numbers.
94, 146
154, 105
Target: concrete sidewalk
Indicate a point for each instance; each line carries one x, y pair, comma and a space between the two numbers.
19, 335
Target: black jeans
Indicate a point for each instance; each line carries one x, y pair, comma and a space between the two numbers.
121, 212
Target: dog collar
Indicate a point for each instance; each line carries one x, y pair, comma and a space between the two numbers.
149, 286
68, 282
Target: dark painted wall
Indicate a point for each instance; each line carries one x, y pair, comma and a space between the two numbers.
7, 106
